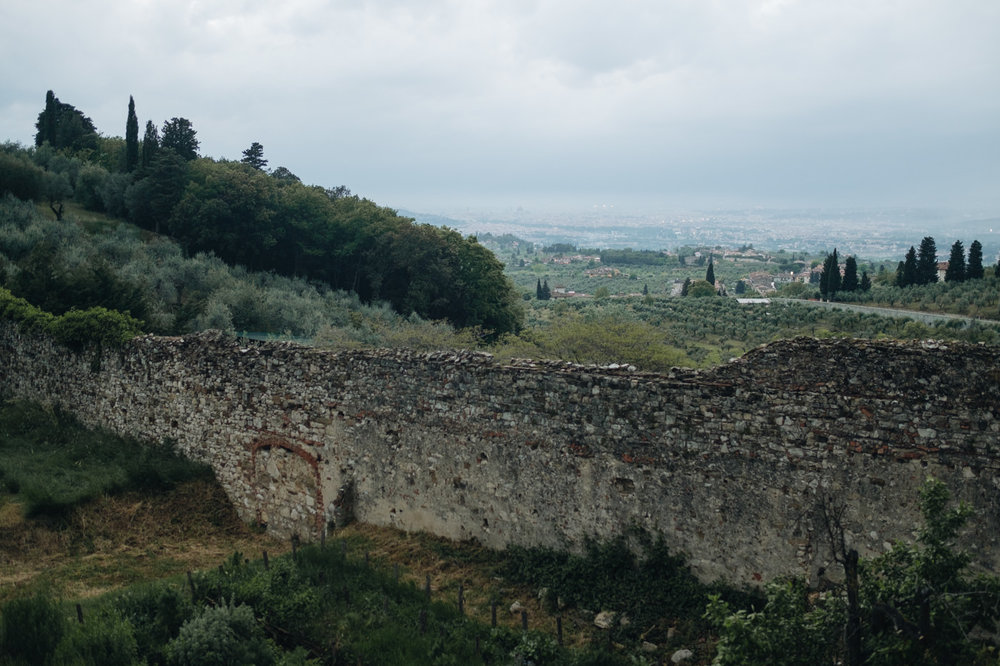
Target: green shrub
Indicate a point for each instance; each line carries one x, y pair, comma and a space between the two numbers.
30, 630
156, 612
104, 639
225, 635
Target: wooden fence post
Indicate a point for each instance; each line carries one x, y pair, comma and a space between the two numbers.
461, 599
524, 620
267, 565
79, 613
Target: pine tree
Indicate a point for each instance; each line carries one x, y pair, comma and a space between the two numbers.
254, 156
927, 261
710, 273
956, 264
179, 135
131, 138
974, 269
850, 281
150, 144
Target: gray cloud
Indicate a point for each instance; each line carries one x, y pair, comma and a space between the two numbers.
778, 100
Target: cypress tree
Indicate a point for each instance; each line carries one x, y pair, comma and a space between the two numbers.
829, 281
956, 264
710, 273
850, 281
866, 282
538, 290
150, 144
47, 122
546, 293
685, 286
131, 138
909, 275
927, 261
974, 268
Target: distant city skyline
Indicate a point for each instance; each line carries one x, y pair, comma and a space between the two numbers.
431, 105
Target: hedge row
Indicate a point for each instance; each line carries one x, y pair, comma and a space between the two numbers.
76, 329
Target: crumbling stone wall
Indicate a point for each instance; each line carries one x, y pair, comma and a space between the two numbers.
728, 464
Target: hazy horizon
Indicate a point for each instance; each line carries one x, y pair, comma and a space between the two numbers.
436, 104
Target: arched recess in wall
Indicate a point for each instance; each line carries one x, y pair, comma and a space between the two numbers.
286, 486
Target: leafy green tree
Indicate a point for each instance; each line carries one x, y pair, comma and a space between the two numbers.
956, 264
923, 602
254, 157
227, 209
701, 289
57, 189
927, 261
151, 200
788, 631
284, 175
179, 135
89, 186
19, 176
710, 273
974, 269
131, 138
150, 144
850, 279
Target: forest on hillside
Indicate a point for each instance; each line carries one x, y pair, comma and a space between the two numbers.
263, 220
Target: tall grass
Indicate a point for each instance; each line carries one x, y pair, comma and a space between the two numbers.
52, 463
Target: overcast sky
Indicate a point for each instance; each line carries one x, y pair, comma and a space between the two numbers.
431, 104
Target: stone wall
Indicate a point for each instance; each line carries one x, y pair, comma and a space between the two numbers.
728, 464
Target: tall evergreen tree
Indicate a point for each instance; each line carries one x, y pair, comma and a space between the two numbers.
866, 282
710, 273
131, 138
150, 144
62, 125
538, 290
974, 269
686, 286
254, 156
546, 292
829, 281
927, 261
956, 264
908, 273
178, 135
850, 281
47, 124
